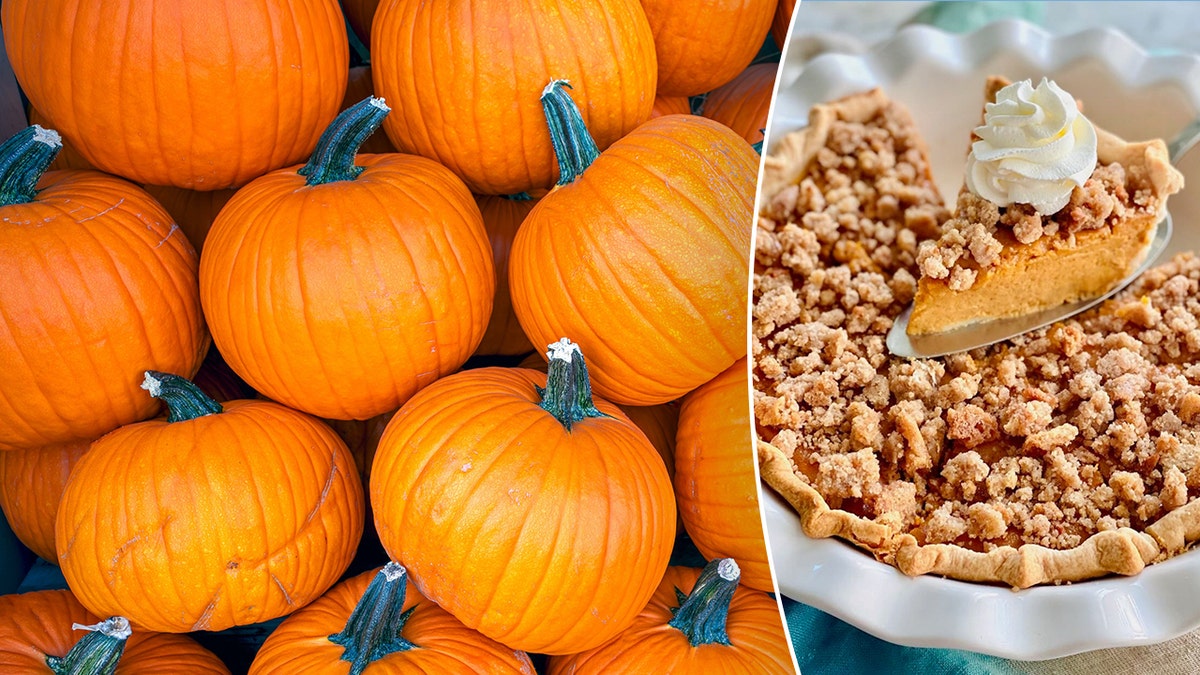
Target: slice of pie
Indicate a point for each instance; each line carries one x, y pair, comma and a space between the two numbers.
1014, 258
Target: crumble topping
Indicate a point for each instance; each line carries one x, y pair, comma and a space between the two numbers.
1084, 427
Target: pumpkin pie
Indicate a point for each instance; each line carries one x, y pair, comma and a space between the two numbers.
1015, 258
1068, 453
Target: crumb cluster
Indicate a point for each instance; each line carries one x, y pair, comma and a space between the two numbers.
1087, 426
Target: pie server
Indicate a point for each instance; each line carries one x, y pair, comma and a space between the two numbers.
985, 333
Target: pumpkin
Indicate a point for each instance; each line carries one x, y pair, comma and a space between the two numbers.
651, 276
358, 87
216, 379
502, 216
671, 105
512, 504
40, 632
193, 211
360, 14
340, 290
220, 515
31, 485
699, 622
659, 423
379, 620
715, 482
68, 157
743, 104
213, 107
701, 45
471, 102
782, 22
107, 287
362, 438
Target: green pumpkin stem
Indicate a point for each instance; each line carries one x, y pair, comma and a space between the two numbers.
24, 157
374, 628
519, 197
333, 160
568, 392
96, 653
573, 145
184, 400
702, 613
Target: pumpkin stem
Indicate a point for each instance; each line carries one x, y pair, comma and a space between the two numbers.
333, 160
519, 197
184, 400
24, 157
573, 145
96, 653
374, 628
568, 392
702, 613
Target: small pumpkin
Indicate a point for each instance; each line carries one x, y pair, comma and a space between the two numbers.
193, 211
107, 288
218, 516
511, 504
362, 438
699, 622
660, 424
743, 104
216, 379
715, 482
341, 289
50, 632
360, 14
782, 22
379, 620
701, 45
502, 216
471, 102
671, 105
213, 107
650, 278
31, 485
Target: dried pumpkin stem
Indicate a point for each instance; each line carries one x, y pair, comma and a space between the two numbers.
374, 628
568, 392
702, 613
573, 145
24, 157
97, 652
333, 160
184, 400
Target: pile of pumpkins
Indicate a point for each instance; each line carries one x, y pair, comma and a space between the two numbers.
234, 323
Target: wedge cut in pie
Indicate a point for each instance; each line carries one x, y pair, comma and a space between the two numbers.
1053, 210
1068, 453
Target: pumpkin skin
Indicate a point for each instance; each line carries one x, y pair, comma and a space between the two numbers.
502, 217
715, 482
497, 142
755, 630
514, 524
360, 14
651, 278
31, 485
444, 646
743, 104
702, 45
193, 211
227, 519
68, 157
660, 424
782, 21
213, 107
342, 299
38, 624
76, 333
671, 105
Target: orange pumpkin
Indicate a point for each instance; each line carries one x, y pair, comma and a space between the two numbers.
31, 485
107, 287
360, 14
502, 216
216, 379
358, 87
475, 109
213, 107
42, 630
341, 290
217, 516
703, 45
671, 105
659, 423
68, 157
650, 278
782, 21
743, 104
379, 620
511, 504
714, 475
697, 623
193, 211
362, 438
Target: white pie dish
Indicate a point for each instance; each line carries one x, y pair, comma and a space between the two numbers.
940, 77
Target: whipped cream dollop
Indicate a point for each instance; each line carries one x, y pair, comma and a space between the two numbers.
1034, 147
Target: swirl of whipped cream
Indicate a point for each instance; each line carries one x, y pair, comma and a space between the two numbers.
1034, 147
